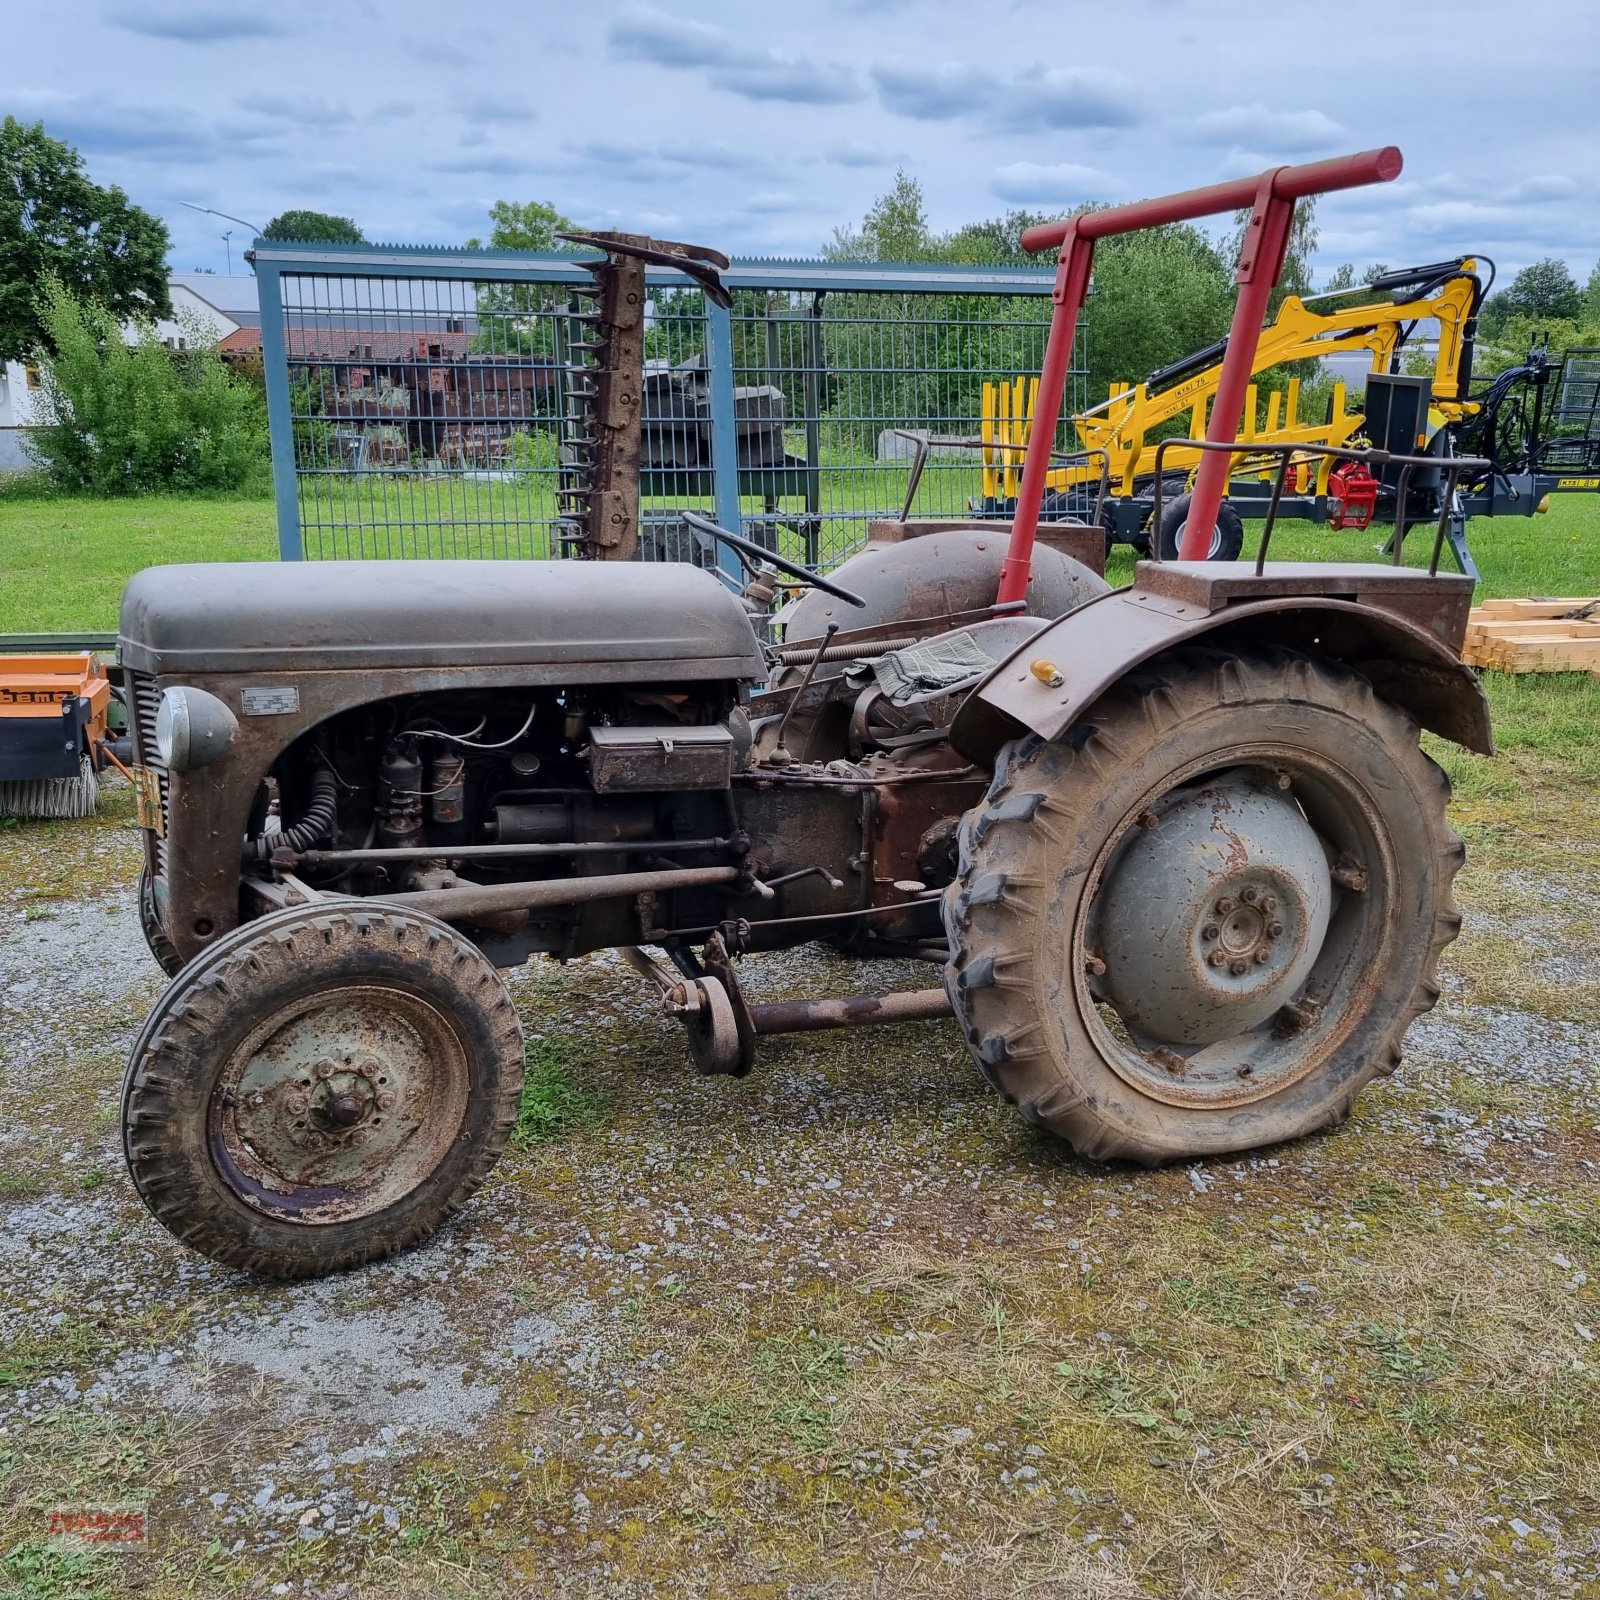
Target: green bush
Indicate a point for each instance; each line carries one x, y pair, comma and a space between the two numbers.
140, 418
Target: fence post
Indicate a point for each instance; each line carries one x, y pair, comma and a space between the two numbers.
280, 423
724, 434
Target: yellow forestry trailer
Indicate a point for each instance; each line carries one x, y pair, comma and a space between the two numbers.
1403, 414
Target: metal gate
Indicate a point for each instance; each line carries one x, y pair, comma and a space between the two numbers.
417, 398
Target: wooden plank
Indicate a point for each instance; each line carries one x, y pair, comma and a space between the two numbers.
1527, 610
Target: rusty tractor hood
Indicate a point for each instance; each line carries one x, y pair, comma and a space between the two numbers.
673, 620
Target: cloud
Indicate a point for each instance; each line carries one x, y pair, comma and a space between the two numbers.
491, 163
777, 202
851, 154
1041, 98
1033, 100
1030, 183
934, 94
643, 33
170, 134
195, 24
1254, 127
515, 109
778, 77
1541, 187
297, 110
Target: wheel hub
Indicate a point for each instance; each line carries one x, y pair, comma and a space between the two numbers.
1214, 912
335, 1095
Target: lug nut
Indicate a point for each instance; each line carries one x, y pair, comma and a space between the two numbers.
1210, 931
1238, 969
1094, 966
1263, 957
297, 1103
324, 1069
1284, 780
1224, 905
1218, 958
1148, 819
1274, 928
1248, 895
386, 1102
1269, 902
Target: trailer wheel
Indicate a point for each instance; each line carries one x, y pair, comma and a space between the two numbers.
1203, 919
322, 1087
161, 947
1227, 538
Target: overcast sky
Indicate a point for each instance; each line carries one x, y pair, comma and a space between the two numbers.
759, 128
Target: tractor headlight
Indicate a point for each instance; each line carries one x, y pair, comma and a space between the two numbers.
193, 729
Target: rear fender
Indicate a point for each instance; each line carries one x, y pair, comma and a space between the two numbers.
1098, 644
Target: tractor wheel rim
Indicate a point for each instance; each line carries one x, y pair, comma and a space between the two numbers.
1168, 1017
338, 1105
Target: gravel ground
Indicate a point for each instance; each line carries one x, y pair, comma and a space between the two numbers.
842, 1328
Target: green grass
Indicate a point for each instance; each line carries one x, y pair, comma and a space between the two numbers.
63, 562
554, 1102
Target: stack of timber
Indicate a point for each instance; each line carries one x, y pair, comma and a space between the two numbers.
1534, 636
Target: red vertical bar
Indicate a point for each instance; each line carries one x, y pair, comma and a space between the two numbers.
1265, 241
1072, 285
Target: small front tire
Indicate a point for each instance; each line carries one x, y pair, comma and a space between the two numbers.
322, 1088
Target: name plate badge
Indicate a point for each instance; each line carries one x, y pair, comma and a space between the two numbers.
276, 702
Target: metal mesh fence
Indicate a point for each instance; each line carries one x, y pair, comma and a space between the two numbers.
425, 412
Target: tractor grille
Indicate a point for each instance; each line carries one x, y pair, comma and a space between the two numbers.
146, 702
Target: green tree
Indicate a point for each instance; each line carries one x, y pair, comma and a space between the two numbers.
57, 224
1296, 276
1546, 289
1342, 277
136, 418
1591, 295
525, 225
520, 318
895, 228
313, 227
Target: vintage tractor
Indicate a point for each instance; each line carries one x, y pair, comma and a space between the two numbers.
1176, 847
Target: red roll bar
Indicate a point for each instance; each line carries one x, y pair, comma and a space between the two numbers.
1271, 197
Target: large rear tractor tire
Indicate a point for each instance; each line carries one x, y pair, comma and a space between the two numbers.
322, 1087
1203, 919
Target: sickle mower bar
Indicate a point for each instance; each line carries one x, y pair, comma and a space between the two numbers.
1271, 198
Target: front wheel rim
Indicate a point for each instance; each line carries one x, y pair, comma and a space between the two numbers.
338, 1105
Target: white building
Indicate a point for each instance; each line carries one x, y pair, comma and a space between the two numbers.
219, 304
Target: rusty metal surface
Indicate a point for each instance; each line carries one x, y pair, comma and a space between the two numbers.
941, 576
653, 758
855, 1011
1214, 911
1083, 542
1438, 603
337, 1107
1095, 646
667, 620
476, 899
598, 492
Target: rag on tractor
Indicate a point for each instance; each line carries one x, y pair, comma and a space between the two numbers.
1438, 414
1176, 848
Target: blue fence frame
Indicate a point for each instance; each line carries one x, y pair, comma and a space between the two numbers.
357, 271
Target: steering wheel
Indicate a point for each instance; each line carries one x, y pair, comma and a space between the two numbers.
749, 548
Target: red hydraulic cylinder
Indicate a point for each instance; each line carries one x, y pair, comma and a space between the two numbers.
1271, 197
